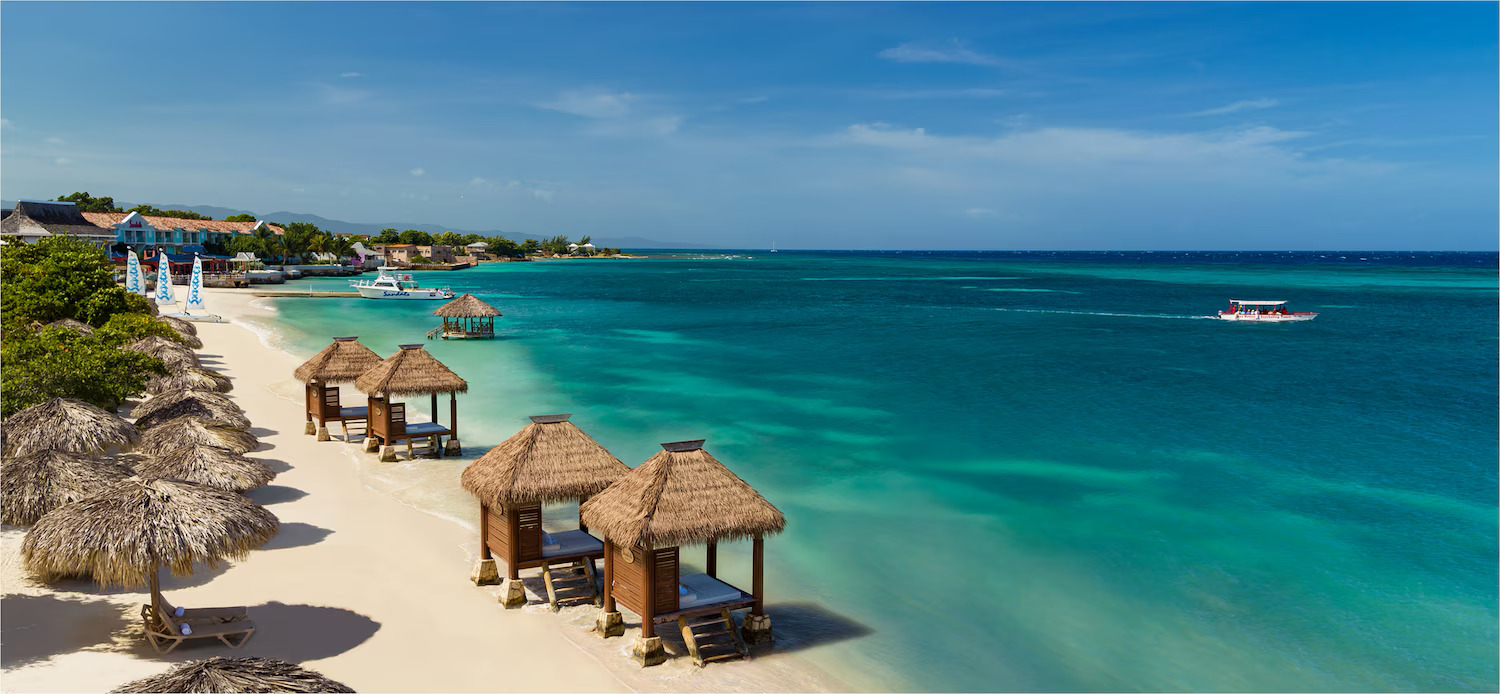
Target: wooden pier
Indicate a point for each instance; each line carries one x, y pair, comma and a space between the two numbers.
308, 294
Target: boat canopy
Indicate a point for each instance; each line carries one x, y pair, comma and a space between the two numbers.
1242, 302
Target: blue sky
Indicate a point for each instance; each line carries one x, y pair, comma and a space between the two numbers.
1008, 125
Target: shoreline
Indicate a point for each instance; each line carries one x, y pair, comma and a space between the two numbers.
360, 585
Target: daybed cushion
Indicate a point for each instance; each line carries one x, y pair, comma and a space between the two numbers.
572, 542
704, 589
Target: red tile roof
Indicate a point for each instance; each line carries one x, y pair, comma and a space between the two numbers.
110, 219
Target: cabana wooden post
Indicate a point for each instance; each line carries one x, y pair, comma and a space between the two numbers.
549, 461
344, 361
682, 495
467, 318
410, 371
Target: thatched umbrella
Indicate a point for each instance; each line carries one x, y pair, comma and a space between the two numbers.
218, 410
470, 317
165, 398
175, 355
412, 371
341, 362
66, 324
195, 432
183, 327
216, 467
234, 675
132, 528
67, 424
190, 378
36, 483
550, 460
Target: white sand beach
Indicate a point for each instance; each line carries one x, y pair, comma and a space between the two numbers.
367, 590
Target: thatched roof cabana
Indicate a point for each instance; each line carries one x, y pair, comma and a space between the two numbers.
234, 675
175, 355
34, 484
67, 424
682, 495
467, 317
410, 371
209, 407
122, 535
195, 432
341, 362
190, 378
183, 327
215, 467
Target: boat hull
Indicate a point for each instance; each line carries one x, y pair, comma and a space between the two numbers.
402, 295
1267, 317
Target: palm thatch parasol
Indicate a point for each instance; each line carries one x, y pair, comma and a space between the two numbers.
183, 327
132, 528
67, 424
682, 495
163, 399
36, 483
550, 460
65, 324
190, 378
411, 371
234, 675
341, 362
174, 354
216, 409
216, 467
194, 432
466, 306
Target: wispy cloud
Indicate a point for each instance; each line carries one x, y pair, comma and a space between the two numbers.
591, 103
536, 190
951, 52
351, 74
62, 161
54, 141
340, 96
980, 213
1248, 105
970, 93
418, 171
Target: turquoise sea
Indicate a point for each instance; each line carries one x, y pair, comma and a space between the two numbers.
1042, 471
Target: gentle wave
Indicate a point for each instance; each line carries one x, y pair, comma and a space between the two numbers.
1106, 313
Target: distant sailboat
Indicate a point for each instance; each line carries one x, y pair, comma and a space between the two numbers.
164, 282
195, 296
773, 246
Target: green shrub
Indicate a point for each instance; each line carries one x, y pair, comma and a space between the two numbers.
53, 279
126, 327
62, 363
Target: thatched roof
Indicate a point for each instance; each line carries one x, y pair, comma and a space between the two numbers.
161, 400
67, 424
411, 371
209, 407
135, 525
190, 378
66, 324
216, 467
34, 484
195, 432
221, 675
549, 460
183, 327
680, 496
175, 355
466, 306
341, 362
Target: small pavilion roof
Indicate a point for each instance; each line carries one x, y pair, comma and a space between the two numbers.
682, 495
411, 371
466, 306
341, 362
549, 460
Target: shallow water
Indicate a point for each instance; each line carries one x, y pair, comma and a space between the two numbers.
1035, 471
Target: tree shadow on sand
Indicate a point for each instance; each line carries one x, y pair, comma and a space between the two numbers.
293, 633
274, 494
297, 535
38, 627
85, 585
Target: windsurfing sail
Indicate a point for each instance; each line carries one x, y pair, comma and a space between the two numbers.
135, 280
164, 282
195, 288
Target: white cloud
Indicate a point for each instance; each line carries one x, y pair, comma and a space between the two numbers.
980, 213
351, 74
1248, 105
536, 190
592, 103
953, 52
339, 96
972, 93
4, 123
418, 171
754, 99
54, 141
62, 161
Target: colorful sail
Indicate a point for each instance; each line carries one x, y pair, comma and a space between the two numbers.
135, 280
195, 287
164, 282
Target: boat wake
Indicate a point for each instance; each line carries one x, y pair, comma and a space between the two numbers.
1106, 313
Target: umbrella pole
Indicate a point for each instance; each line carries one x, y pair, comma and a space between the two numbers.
155, 591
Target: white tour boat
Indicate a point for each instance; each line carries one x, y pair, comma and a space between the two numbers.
392, 286
1262, 312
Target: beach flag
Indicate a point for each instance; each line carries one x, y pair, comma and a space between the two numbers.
164, 282
195, 288
135, 281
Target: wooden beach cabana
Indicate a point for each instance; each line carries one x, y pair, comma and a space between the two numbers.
411, 371
344, 361
549, 461
466, 318
681, 496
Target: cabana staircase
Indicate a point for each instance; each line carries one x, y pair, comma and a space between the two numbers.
580, 582
712, 637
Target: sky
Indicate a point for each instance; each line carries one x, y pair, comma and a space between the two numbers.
742, 125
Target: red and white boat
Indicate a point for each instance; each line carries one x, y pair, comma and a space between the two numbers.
1262, 312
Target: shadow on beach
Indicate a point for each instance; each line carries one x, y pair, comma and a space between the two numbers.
297, 535
800, 626
293, 633
85, 585
38, 627
275, 494
261, 432
278, 466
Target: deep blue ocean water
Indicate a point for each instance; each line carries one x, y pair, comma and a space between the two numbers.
1043, 471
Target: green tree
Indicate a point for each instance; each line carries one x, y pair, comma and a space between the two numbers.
449, 238
387, 236
51, 279
88, 203
416, 238
297, 240
240, 218
504, 247
109, 302
531, 246
62, 363
245, 244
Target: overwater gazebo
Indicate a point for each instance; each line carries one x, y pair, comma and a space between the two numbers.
467, 317
344, 361
411, 371
680, 496
549, 461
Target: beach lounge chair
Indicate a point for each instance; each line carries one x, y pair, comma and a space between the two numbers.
165, 629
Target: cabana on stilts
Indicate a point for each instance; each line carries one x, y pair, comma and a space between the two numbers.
549, 461
466, 318
411, 371
680, 496
344, 361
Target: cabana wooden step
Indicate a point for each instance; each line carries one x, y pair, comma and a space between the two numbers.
709, 634
567, 580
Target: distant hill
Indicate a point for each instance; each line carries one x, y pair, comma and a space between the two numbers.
341, 227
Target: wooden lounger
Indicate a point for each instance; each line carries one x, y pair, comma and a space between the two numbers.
164, 629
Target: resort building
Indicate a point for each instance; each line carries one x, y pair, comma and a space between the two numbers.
437, 254
32, 221
172, 234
